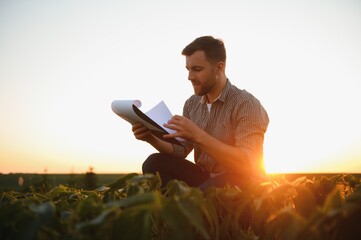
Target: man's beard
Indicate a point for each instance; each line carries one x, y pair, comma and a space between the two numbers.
204, 88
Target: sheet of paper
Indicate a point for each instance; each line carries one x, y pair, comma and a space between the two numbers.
160, 114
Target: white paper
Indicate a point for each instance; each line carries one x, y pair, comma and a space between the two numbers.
160, 114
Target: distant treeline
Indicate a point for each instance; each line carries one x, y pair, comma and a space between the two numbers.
25, 182
42, 182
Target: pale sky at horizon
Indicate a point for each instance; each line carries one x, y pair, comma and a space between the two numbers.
62, 63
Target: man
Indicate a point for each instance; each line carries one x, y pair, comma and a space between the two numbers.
224, 125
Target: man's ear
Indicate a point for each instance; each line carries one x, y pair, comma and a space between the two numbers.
220, 67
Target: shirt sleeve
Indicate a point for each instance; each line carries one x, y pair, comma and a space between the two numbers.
181, 151
252, 122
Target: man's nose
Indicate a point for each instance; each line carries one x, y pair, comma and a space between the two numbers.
190, 76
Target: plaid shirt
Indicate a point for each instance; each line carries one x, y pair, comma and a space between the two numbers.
236, 118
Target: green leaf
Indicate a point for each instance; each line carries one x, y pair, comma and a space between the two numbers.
177, 188
304, 201
136, 200
285, 225
333, 200
178, 223
191, 211
121, 183
134, 223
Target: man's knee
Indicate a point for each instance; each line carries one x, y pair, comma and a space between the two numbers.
150, 164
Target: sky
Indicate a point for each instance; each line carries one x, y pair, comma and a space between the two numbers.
62, 63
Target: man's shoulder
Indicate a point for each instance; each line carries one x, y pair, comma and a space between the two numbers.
239, 94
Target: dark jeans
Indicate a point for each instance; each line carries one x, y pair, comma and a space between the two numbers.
170, 167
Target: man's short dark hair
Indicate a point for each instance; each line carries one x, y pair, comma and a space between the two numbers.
213, 48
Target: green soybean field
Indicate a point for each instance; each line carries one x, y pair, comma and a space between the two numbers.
134, 207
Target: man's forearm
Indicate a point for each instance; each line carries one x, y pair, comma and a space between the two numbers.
226, 155
161, 146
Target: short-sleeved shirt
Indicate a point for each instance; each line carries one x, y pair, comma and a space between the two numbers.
236, 118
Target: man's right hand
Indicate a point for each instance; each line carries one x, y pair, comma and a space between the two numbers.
141, 132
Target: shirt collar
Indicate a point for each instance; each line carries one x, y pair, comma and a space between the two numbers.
222, 95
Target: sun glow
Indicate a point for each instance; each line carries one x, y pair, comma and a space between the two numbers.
346, 159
